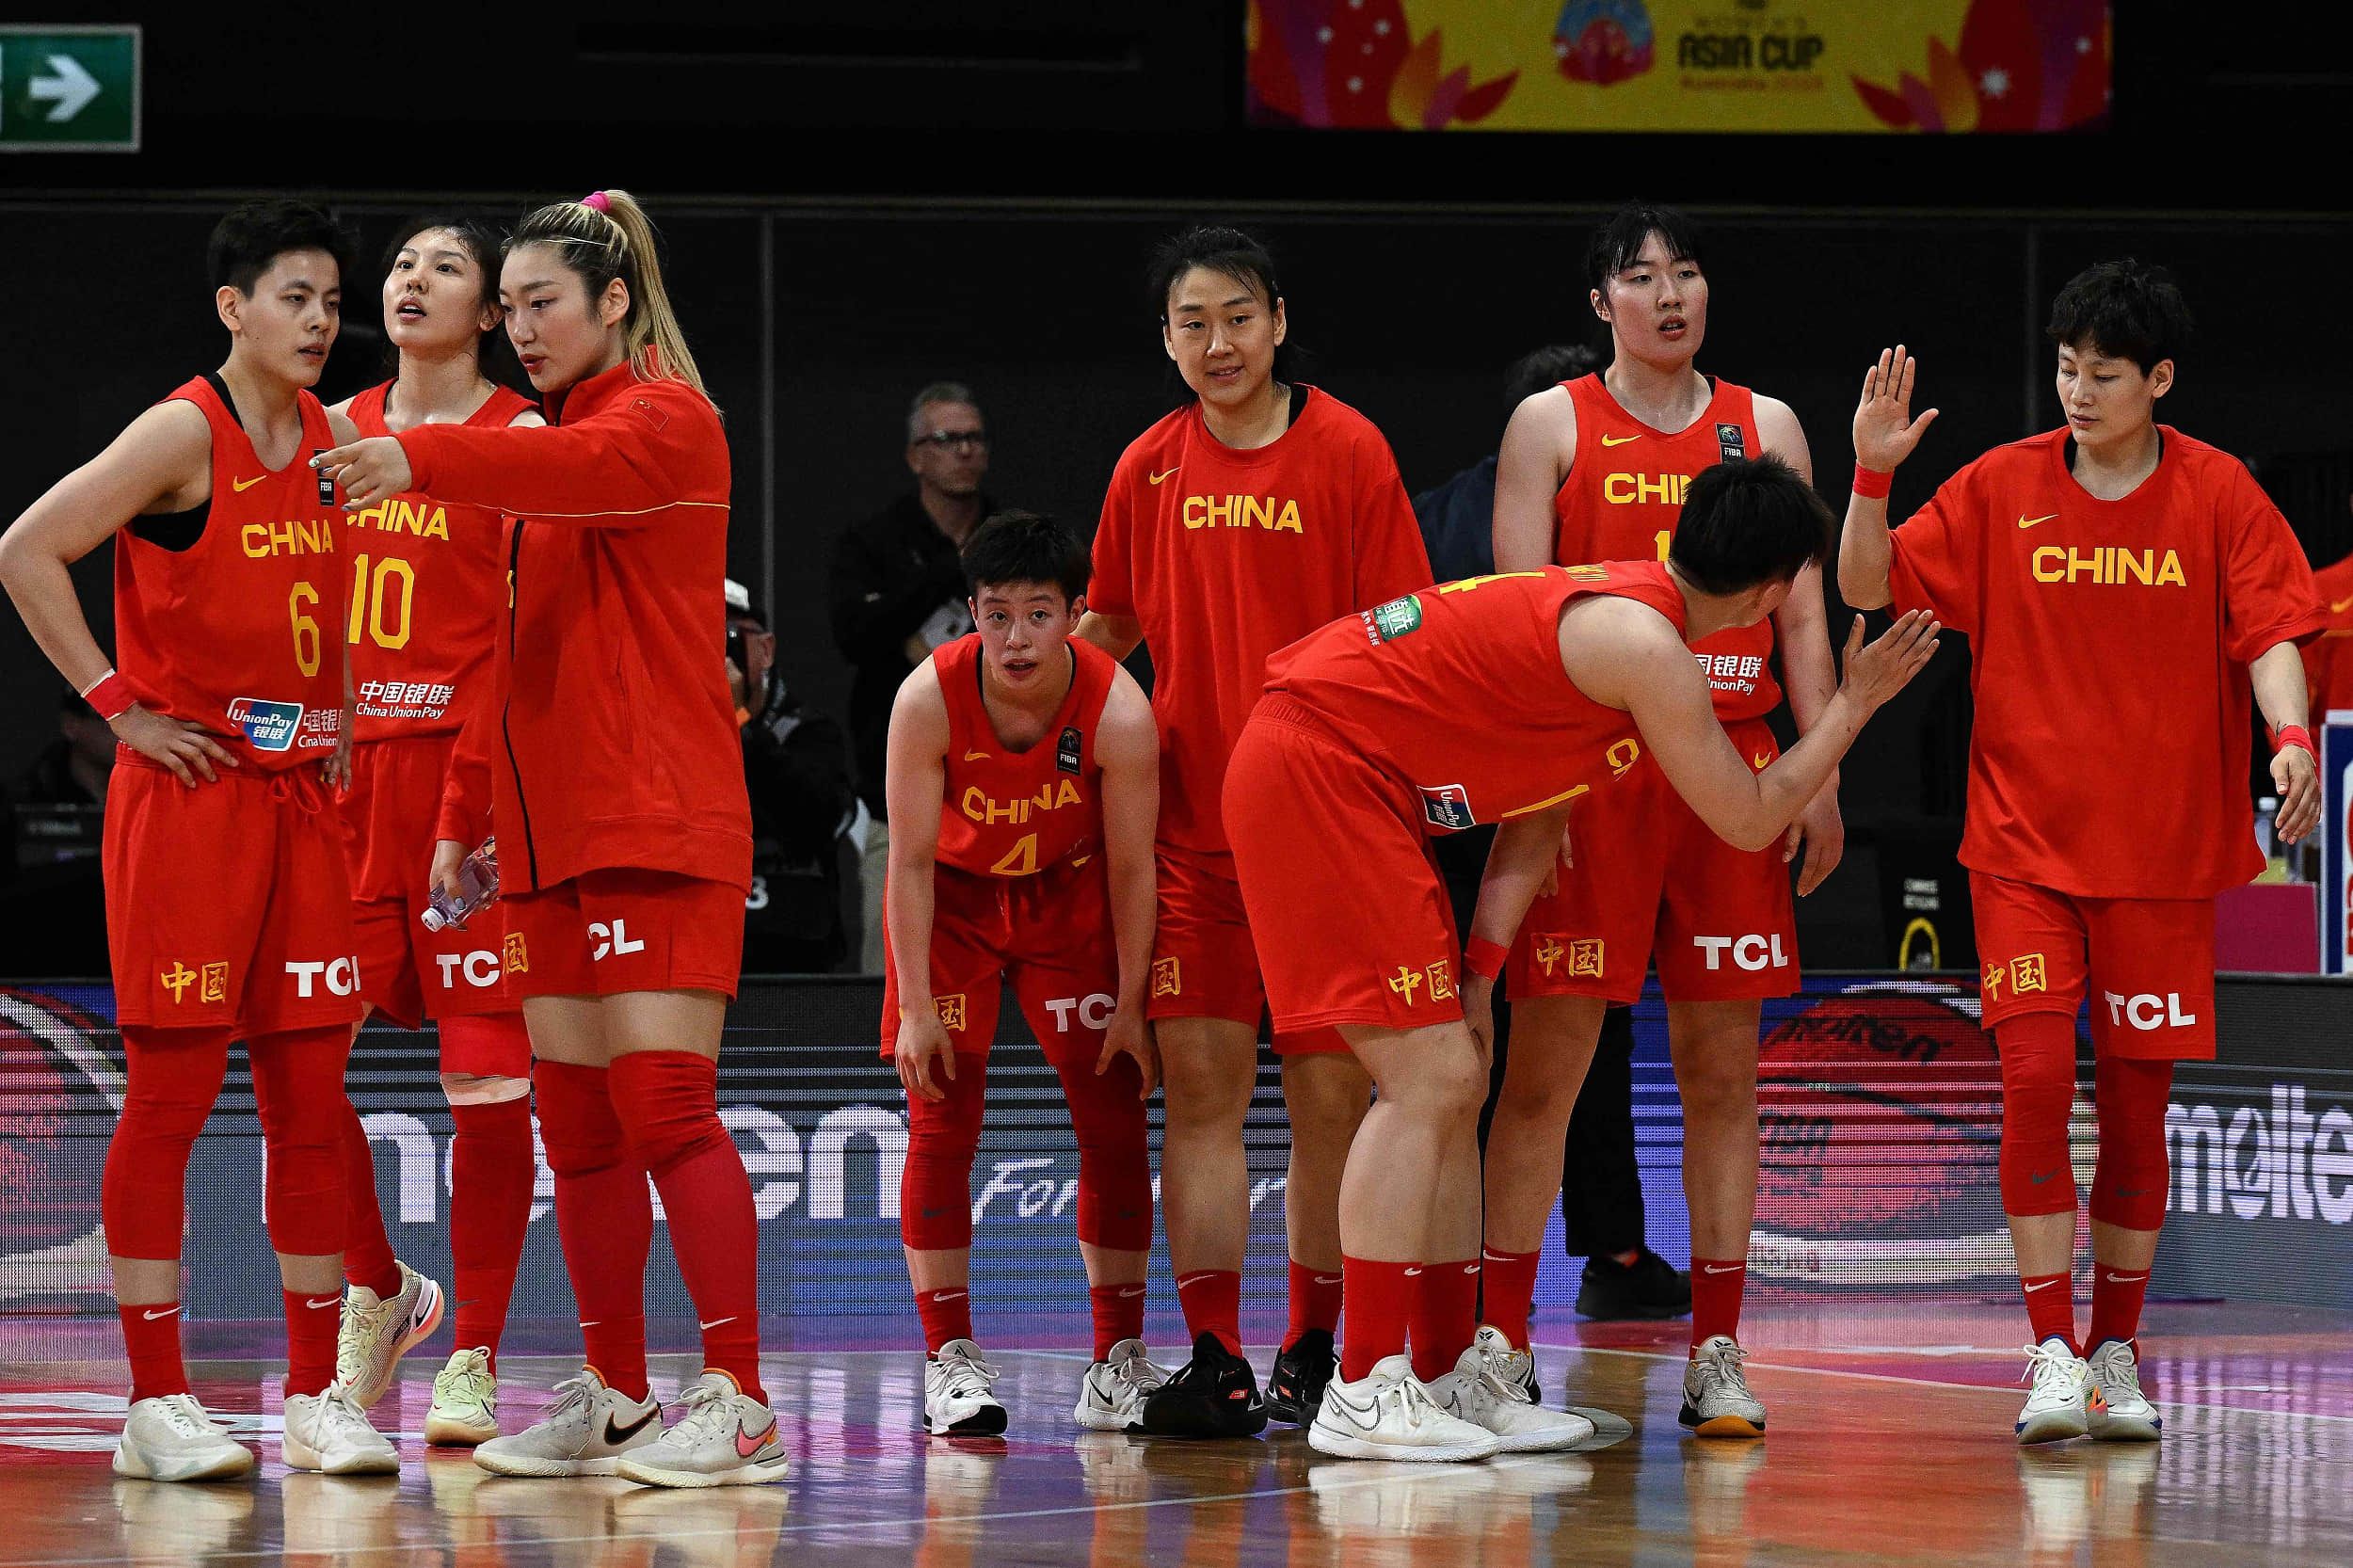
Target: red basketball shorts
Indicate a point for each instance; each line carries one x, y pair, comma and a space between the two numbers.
2147, 965
408, 973
1653, 882
1205, 961
624, 928
228, 904
1049, 936
1332, 857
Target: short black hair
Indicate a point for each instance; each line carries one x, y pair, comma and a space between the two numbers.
1748, 521
1545, 367
1226, 251
2124, 311
1619, 239
250, 237
1025, 547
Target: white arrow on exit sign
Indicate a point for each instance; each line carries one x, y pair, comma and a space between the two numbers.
72, 87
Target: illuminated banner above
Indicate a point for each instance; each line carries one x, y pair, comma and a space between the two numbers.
1680, 65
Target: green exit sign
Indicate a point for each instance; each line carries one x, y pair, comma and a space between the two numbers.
68, 90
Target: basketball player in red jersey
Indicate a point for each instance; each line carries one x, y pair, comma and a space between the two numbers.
1241, 522
1356, 754
2151, 575
228, 909
625, 834
2328, 659
1030, 765
428, 580
1595, 470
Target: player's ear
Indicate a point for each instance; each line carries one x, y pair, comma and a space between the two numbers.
613, 305
1168, 339
1281, 321
229, 304
1077, 608
1600, 304
2160, 378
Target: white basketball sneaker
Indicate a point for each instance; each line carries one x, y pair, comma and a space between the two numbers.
1485, 1389
2058, 1403
2120, 1412
1111, 1394
725, 1438
172, 1438
329, 1434
378, 1330
586, 1432
465, 1408
1387, 1414
1716, 1397
956, 1398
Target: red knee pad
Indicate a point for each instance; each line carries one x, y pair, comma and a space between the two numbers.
935, 1185
2037, 1052
173, 1077
2128, 1185
1114, 1168
298, 1091
669, 1104
577, 1123
485, 1044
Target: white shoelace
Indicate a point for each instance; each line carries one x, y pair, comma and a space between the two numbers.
186, 1418
1414, 1403
1138, 1371
1724, 1368
2120, 1373
574, 1394
708, 1413
340, 1417
967, 1376
2045, 1365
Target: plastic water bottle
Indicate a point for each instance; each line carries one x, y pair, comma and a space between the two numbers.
477, 883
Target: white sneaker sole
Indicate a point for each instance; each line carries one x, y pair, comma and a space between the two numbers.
301, 1456
740, 1475
542, 1468
453, 1432
234, 1460
2128, 1428
2051, 1426
1098, 1418
1349, 1445
1552, 1440
379, 1379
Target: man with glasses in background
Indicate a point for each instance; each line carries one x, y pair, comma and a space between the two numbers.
896, 592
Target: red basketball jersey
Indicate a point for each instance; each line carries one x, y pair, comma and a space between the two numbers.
1396, 682
1624, 494
1015, 813
428, 584
227, 616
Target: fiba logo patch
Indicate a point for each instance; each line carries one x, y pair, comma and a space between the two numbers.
59, 1097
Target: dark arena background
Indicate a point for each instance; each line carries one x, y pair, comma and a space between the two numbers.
856, 201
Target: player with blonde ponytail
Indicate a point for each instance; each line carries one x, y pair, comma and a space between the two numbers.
614, 774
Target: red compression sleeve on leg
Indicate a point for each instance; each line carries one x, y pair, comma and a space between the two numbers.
298, 1090
2129, 1183
368, 1260
936, 1183
2038, 1051
492, 1170
603, 1217
1115, 1164
172, 1078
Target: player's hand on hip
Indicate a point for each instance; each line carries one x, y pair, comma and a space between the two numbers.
1881, 670
2298, 782
925, 1048
1821, 832
1884, 430
189, 750
367, 470
1130, 1035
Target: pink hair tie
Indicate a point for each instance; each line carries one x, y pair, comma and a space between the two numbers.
598, 199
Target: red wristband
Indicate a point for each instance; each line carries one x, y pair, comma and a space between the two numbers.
2294, 735
1871, 483
1484, 958
111, 696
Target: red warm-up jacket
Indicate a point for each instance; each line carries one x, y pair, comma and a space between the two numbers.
611, 738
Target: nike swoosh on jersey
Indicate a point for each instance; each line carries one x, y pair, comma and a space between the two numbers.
1618, 441
2025, 521
241, 486
976, 756
614, 1436
1156, 478
2341, 606
1763, 759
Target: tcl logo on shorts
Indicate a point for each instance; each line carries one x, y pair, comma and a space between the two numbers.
2149, 1011
481, 970
1749, 952
613, 939
1094, 1012
341, 976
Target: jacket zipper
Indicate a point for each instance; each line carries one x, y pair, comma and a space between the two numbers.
514, 769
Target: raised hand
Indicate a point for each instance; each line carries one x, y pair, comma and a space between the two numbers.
1884, 430
1878, 671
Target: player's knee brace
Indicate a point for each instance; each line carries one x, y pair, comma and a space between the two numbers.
1114, 1169
298, 1090
2128, 1185
173, 1077
577, 1123
668, 1103
943, 1135
2038, 1054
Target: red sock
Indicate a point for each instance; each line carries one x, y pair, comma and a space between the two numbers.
312, 1318
668, 1101
1315, 1301
1118, 1312
1715, 1285
947, 1315
492, 1170
2116, 1298
603, 1216
150, 1332
1444, 1315
2050, 1307
1380, 1301
1211, 1298
1509, 1295
368, 1260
